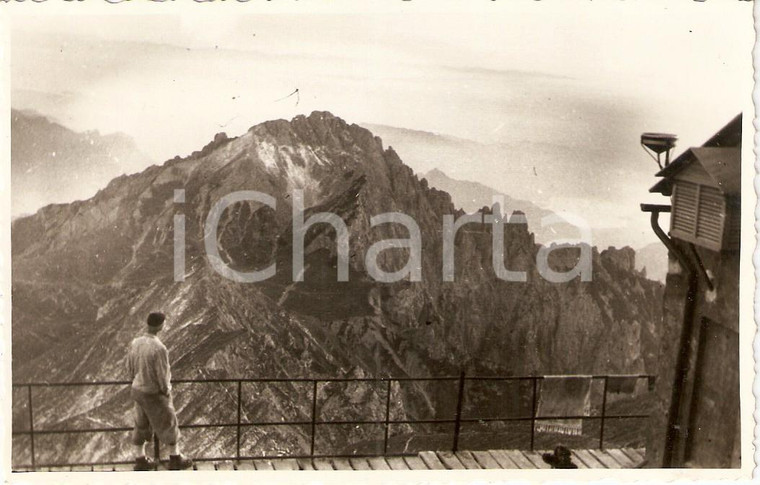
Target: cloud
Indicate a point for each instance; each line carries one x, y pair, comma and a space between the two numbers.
568, 95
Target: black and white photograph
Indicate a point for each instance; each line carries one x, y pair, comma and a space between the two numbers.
464, 238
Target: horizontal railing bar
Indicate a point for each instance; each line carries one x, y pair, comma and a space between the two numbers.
333, 423
71, 431
624, 416
115, 462
227, 459
547, 418
309, 379
234, 381
302, 457
71, 384
530, 378
224, 425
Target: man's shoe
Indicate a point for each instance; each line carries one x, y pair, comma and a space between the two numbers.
179, 462
144, 464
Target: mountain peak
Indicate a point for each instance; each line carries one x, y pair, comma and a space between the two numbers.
436, 172
323, 116
318, 121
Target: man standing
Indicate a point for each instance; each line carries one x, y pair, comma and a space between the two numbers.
148, 366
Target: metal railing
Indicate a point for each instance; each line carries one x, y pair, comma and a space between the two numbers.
457, 420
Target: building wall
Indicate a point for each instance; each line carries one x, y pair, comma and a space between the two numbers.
669, 332
709, 412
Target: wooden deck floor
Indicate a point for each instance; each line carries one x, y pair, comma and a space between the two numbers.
426, 460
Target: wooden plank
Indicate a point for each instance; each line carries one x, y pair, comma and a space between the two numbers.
519, 459
396, 463
204, 466
245, 465
450, 461
621, 458
536, 458
124, 467
285, 464
225, 466
342, 464
588, 459
415, 463
81, 468
635, 458
431, 460
359, 463
485, 460
102, 468
634, 455
606, 459
263, 464
468, 460
378, 463
323, 464
502, 459
306, 464
577, 460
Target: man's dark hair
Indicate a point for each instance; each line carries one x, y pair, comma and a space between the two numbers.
156, 319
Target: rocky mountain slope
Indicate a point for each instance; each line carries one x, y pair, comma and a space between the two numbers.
52, 164
85, 274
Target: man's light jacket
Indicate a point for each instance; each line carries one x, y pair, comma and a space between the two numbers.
148, 365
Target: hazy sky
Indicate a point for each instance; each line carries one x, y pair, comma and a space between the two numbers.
582, 76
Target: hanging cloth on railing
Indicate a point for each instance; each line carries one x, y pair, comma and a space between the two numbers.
563, 396
621, 384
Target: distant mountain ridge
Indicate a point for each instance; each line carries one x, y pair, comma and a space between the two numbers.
473, 196
86, 273
53, 164
528, 171
653, 260
530, 166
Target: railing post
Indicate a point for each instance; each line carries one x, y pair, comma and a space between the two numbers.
387, 415
604, 411
313, 415
457, 422
239, 405
533, 411
31, 424
156, 451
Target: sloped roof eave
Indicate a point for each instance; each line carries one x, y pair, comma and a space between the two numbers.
664, 187
723, 165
